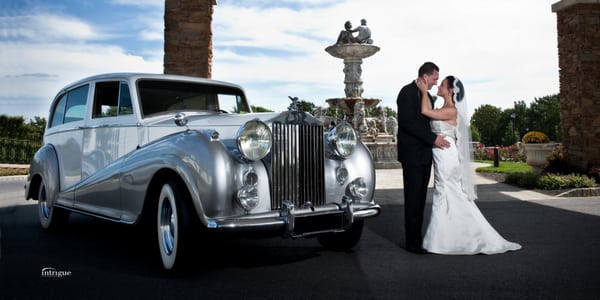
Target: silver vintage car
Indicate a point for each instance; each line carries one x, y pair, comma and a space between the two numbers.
187, 156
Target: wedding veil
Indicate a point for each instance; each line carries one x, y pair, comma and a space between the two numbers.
463, 139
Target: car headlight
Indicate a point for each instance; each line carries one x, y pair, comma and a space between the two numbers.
343, 139
254, 140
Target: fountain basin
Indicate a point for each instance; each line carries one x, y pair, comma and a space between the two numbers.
345, 51
347, 104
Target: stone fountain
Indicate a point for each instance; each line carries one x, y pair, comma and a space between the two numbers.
379, 132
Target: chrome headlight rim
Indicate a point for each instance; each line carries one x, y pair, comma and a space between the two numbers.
254, 140
343, 139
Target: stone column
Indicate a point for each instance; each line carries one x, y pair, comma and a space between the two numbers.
353, 71
578, 23
188, 37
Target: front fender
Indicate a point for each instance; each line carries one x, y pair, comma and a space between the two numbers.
204, 165
358, 165
44, 166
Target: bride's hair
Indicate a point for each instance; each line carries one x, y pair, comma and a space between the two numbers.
458, 91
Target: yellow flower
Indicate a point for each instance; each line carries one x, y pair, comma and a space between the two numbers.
535, 137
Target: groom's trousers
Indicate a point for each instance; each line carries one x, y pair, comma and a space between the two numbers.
416, 179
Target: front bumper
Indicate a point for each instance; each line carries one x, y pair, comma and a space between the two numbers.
300, 222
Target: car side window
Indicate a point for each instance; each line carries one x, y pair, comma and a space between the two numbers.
71, 107
125, 107
231, 103
111, 99
58, 115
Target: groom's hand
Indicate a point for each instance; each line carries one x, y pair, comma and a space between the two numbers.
441, 142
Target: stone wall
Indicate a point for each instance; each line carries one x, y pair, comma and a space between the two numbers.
578, 23
188, 37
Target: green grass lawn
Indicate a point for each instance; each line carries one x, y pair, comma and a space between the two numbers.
504, 167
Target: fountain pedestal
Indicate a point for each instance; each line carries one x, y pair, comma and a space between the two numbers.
373, 132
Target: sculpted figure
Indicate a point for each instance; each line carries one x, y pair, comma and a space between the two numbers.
359, 121
346, 36
382, 120
364, 33
392, 126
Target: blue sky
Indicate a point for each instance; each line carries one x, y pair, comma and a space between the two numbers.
504, 51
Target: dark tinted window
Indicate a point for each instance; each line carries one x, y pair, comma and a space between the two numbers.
106, 99
164, 96
111, 98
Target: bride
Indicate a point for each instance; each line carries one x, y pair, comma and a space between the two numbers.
456, 226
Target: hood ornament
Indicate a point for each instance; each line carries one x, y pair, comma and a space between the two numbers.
294, 105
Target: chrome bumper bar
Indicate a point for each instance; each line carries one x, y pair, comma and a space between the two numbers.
298, 222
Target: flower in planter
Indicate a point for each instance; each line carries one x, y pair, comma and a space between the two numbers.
535, 137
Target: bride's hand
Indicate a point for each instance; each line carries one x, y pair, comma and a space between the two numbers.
422, 85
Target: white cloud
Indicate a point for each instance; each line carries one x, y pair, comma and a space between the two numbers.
47, 27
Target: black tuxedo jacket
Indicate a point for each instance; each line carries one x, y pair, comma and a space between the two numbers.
415, 139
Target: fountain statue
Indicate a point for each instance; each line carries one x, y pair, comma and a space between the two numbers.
379, 132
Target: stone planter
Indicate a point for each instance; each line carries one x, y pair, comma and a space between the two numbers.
537, 153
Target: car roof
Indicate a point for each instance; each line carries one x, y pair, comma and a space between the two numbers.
136, 76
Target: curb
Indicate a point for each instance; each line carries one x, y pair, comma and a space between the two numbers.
13, 178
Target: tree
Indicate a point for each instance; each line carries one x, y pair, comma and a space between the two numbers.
506, 127
306, 106
390, 112
544, 115
487, 119
260, 109
15, 128
35, 129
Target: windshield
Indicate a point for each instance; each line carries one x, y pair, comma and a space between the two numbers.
158, 97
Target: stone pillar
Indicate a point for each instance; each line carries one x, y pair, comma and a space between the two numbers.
578, 23
188, 37
353, 71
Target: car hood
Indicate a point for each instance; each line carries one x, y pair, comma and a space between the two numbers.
198, 121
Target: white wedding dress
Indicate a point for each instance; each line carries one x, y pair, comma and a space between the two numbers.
456, 225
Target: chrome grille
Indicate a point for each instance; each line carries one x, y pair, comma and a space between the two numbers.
297, 164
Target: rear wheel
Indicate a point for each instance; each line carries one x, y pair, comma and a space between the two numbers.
174, 225
343, 241
51, 217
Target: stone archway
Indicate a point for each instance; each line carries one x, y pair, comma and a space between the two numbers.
578, 24
188, 37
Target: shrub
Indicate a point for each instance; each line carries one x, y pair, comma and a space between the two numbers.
594, 172
535, 137
557, 162
507, 153
512, 153
557, 182
523, 179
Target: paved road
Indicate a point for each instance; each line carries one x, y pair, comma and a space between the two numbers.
560, 258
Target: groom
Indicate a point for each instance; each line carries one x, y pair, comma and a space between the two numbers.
415, 141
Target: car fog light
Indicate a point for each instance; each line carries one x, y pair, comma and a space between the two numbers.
358, 188
248, 197
341, 175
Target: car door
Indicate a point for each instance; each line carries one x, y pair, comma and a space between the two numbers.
110, 133
64, 133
